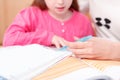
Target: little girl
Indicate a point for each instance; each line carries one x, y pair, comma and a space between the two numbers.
48, 22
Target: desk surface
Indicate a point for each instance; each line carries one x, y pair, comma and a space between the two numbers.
70, 64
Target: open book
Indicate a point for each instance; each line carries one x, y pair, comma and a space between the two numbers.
96, 70
25, 62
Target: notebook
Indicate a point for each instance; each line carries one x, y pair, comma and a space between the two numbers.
87, 73
25, 62
90, 73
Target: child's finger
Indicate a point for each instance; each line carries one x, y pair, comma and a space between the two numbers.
75, 38
57, 44
62, 42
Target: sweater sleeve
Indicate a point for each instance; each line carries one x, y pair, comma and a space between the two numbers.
23, 31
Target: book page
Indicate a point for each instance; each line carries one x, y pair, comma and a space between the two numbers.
113, 72
93, 72
25, 62
81, 74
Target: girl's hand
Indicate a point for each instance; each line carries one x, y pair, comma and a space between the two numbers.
58, 41
96, 48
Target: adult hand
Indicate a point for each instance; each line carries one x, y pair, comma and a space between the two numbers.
58, 41
96, 48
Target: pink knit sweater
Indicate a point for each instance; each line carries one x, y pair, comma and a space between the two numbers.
33, 26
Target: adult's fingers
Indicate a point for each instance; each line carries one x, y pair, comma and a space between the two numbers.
86, 56
86, 51
77, 45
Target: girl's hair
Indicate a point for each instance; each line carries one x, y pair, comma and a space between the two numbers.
41, 4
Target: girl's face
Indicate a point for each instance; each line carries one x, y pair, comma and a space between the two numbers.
59, 7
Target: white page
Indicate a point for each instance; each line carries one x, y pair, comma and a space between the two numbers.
91, 73
81, 74
24, 62
113, 72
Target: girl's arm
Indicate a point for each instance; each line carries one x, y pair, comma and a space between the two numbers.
23, 31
